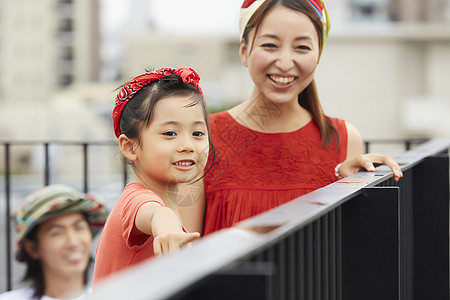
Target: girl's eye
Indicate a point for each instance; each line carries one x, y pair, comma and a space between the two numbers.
198, 134
169, 133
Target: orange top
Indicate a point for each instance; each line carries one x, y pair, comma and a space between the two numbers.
121, 245
255, 171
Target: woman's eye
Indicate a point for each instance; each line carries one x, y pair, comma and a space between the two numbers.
198, 134
55, 233
82, 227
268, 45
304, 47
169, 133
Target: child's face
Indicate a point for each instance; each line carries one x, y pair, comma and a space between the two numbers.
174, 148
283, 55
63, 246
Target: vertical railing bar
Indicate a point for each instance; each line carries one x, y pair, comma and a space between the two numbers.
292, 276
339, 271
407, 145
300, 265
324, 258
85, 168
317, 259
125, 175
366, 146
7, 217
281, 262
309, 262
332, 254
46, 164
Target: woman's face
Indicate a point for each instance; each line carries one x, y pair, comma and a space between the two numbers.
282, 55
63, 247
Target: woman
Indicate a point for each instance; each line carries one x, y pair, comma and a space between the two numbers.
278, 144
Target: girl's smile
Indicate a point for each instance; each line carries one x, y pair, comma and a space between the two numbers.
174, 147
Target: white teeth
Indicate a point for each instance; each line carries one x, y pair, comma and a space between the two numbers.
184, 163
75, 256
282, 80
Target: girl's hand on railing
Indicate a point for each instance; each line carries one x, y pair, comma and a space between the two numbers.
368, 162
172, 241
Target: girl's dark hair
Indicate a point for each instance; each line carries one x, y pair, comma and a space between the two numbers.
309, 98
138, 112
34, 274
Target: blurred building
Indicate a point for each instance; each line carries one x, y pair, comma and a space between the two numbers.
47, 45
50, 66
384, 63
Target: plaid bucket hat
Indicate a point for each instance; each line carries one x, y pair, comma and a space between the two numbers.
52, 201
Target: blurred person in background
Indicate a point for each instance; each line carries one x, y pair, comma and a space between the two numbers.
55, 227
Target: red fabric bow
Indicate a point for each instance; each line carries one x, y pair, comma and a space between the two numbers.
318, 6
316, 3
188, 75
247, 3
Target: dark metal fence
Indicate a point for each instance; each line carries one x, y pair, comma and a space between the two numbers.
363, 237
12, 189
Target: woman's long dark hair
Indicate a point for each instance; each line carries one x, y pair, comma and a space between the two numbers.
309, 98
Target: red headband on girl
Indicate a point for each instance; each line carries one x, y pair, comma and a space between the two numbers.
188, 75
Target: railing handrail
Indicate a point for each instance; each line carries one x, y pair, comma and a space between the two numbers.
218, 250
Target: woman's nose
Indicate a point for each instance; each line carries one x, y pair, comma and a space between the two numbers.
285, 60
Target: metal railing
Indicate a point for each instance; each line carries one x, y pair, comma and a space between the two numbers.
42, 177
332, 222
362, 237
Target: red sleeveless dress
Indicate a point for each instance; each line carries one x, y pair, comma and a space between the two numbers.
255, 171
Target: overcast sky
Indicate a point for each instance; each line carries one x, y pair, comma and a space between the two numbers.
202, 16
196, 15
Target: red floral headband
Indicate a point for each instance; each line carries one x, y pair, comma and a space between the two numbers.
188, 75
250, 6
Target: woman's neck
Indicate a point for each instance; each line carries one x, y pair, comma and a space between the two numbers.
260, 114
63, 288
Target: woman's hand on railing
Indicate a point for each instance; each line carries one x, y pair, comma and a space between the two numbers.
368, 162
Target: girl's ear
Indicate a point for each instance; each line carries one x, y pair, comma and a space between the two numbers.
127, 147
243, 54
31, 249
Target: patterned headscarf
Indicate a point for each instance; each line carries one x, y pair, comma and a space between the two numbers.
188, 75
249, 7
52, 201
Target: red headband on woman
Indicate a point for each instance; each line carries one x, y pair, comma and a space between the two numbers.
188, 75
249, 7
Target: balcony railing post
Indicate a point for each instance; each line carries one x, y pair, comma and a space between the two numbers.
85, 167
370, 247
7, 214
46, 164
431, 228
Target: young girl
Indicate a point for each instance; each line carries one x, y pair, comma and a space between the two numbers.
278, 144
161, 122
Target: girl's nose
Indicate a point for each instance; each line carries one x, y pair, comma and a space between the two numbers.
186, 145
